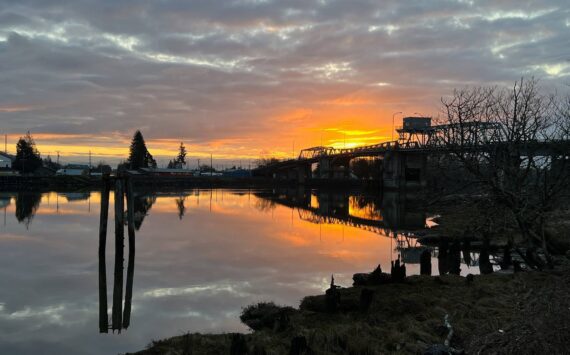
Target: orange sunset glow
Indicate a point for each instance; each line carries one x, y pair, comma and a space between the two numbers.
247, 80
284, 177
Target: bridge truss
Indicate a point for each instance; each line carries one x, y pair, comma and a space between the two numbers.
470, 134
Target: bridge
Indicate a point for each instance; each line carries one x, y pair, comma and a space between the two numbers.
404, 161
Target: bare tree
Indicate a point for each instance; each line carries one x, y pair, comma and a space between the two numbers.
513, 141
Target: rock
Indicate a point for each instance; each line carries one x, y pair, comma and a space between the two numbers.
266, 315
360, 279
379, 279
375, 278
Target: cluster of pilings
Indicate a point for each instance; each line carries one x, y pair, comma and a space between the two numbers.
120, 318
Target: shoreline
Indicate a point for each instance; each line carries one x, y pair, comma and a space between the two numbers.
503, 312
27, 183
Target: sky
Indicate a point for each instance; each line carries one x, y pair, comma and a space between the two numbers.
247, 79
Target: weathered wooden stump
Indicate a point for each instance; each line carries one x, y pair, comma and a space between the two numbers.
425, 263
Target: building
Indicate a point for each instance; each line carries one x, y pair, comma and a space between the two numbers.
416, 123
165, 172
237, 173
74, 169
6, 161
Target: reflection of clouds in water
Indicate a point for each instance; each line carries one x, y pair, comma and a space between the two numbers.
50, 314
204, 289
191, 274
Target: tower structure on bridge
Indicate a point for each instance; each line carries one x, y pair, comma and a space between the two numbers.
415, 129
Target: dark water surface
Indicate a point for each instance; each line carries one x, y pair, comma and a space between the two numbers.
201, 256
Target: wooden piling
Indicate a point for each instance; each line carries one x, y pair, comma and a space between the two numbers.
131, 264
119, 251
103, 316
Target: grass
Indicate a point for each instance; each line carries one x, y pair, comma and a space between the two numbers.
521, 313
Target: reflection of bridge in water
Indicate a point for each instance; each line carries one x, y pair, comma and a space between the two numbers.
394, 214
386, 215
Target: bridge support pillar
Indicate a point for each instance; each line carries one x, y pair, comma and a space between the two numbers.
325, 168
302, 173
334, 168
404, 169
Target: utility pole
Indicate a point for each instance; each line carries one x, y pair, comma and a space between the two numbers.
211, 165
6, 143
89, 163
57, 157
393, 127
293, 149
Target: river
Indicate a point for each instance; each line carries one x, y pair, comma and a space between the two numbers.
201, 256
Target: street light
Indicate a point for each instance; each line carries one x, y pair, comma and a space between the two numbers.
393, 128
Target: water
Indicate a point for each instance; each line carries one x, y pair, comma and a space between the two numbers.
201, 256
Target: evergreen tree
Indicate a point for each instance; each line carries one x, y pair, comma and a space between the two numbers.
139, 156
27, 156
181, 159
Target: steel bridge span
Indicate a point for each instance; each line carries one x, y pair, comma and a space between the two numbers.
404, 161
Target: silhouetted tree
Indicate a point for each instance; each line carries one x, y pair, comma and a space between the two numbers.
180, 206
139, 156
102, 168
172, 164
513, 168
27, 156
181, 159
142, 205
27, 203
266, 161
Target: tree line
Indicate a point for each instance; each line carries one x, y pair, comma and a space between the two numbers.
28, 158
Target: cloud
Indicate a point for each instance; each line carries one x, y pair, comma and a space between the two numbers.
204, 71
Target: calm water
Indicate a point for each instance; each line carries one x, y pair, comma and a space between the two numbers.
200, 257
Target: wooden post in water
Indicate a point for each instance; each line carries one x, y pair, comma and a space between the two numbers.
119, 251
103, 316
131, 265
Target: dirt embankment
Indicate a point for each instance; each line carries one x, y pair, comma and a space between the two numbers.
522, 313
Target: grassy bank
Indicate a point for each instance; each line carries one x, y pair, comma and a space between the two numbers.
522, 313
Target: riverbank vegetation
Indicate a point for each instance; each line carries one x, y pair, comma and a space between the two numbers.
498, 313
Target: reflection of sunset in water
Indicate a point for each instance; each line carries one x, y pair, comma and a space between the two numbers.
201, 255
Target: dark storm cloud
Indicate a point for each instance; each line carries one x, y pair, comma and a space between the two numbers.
207, 70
